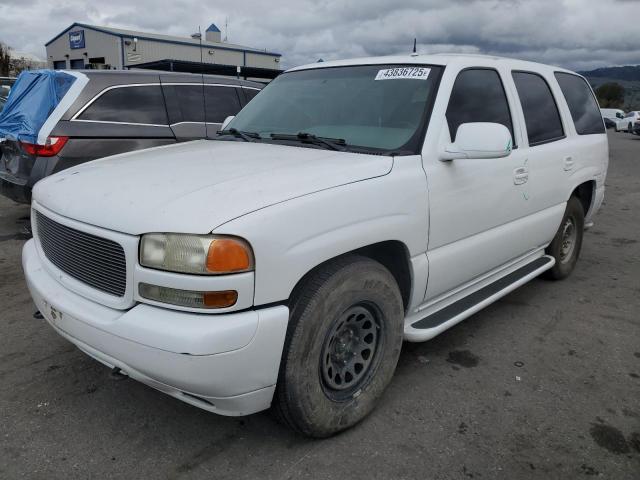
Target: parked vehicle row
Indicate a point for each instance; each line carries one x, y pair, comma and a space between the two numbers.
350, 206
117, 112
628, 122
619, 120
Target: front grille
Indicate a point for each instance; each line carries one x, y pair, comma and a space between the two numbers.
96, 261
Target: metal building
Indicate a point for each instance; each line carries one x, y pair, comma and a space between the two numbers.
88, 46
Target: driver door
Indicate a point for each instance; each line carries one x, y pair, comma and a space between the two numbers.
474, 204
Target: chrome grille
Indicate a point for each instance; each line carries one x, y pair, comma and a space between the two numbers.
96, 261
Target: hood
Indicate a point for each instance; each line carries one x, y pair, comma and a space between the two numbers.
194, 187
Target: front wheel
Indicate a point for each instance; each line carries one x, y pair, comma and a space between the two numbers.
630, 128
342, 346
565, 246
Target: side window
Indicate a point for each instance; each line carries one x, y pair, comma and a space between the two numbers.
249, 93
582, 104
188, 105
478, 96
541, 114
221, 102
143, 104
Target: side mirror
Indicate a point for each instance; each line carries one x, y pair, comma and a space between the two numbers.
226, 122
479, 140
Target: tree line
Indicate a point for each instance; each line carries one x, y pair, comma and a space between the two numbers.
610, 95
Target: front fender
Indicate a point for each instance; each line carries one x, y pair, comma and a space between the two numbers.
291, 238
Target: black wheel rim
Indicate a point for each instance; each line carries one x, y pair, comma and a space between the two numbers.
350, 350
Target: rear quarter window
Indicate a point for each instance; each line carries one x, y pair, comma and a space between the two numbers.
139, 104
541, 115
582, 104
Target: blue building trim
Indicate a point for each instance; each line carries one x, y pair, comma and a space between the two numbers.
172, 42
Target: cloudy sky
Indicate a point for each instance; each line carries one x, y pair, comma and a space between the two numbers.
578, 34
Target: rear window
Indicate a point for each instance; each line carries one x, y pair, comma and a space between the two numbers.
141, 105
221, 103
582, 104
541, 114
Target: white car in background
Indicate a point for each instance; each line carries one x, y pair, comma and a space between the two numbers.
350, 206
614, 114
625, 124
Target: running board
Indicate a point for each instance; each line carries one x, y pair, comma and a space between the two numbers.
440, 320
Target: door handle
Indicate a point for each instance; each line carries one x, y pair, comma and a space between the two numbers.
568, 163
520, 175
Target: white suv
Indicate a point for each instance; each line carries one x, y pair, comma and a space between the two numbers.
350, 206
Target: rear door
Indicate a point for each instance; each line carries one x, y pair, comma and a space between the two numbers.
549, 147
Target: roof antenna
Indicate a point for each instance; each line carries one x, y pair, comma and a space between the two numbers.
204, 98
414, 45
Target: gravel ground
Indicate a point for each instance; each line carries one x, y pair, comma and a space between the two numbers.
543, 384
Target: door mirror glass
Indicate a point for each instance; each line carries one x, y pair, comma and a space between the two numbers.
227, 121
479, 140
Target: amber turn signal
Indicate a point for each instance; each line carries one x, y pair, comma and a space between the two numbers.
220, 299
229, 255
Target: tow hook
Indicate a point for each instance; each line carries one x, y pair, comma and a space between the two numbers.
118, 375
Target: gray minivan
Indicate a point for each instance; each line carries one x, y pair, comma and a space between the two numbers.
121, 111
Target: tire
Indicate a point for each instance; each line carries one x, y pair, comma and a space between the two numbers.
350, 301
629, 128
566, 256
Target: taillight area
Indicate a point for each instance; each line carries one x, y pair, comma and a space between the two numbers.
52, 147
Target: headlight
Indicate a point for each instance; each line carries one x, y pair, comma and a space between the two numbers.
199, 254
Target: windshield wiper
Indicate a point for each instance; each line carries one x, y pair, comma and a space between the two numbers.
332, 143
246, 136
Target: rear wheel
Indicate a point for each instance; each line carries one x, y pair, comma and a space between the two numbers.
342, 346
565, 246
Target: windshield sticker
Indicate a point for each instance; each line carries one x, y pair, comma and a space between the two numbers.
409, 73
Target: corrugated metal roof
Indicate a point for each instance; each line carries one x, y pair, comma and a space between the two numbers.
121, 32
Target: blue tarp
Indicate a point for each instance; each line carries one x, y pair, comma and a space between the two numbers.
32, 99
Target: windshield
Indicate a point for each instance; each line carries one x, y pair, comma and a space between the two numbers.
379, 108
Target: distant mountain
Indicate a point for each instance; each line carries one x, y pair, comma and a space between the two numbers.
628, 72
627, 76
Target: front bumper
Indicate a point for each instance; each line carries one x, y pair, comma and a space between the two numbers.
224, 363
